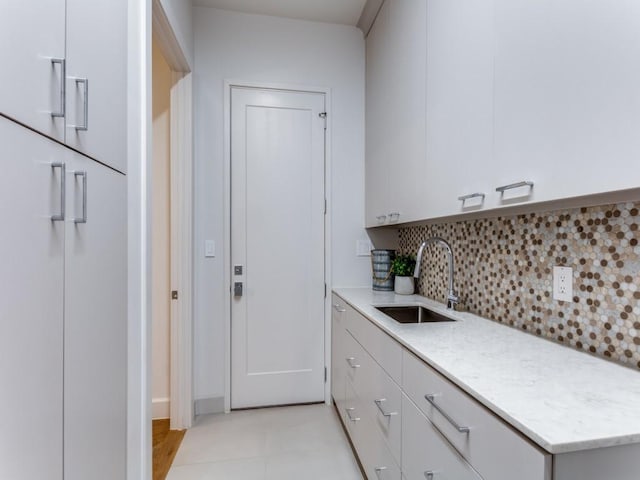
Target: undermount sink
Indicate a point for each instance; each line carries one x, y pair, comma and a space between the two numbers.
413, 314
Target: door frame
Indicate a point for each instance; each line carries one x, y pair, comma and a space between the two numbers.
228, 85
181, 408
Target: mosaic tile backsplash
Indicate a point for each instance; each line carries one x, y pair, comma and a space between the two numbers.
504, 272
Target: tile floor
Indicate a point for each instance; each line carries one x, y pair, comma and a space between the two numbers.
285, 443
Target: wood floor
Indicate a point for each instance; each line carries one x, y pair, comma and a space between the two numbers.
165, 446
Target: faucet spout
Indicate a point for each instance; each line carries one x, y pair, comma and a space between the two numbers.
452, 296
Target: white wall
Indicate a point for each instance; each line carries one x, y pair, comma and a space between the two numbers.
254, 48
160, 235
179, 13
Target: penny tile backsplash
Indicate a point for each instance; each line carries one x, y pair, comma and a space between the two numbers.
504, 272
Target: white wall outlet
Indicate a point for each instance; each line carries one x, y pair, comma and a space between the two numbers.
563, 283
363, 248
209, 248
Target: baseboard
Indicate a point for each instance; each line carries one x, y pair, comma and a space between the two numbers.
206, 406
159, 408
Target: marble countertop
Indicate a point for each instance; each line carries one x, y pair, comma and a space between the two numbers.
562, 399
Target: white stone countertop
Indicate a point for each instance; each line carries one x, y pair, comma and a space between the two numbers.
562, 399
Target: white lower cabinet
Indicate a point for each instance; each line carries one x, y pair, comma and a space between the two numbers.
426, 454
63, 350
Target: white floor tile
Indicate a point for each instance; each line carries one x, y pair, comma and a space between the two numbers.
267, 444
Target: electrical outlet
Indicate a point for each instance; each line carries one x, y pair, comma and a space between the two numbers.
563, 284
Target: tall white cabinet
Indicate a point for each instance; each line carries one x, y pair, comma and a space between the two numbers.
63, 317
66, 67
63, 312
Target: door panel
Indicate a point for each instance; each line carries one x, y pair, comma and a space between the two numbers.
31, 34
95, 355
97, 51
31, 308
278, 237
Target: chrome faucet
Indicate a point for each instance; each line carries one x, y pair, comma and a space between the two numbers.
452, 297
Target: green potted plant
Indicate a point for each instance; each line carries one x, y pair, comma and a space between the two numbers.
402, 267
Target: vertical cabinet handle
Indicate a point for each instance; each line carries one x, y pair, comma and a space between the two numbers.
379, 405
84, 126
352, 417
63, 189
379, 471
63, 86
82, 219
351, 360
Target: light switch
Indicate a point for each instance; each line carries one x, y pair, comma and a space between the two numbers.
363, 248
209, 248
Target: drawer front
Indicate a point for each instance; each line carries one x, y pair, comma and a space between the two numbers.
355, 361
376, 459
381, 400
384, 349
495, 450
426, 453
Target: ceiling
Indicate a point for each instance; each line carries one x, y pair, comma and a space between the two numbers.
346, 12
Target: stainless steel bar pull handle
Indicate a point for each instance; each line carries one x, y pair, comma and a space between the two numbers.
352, 417
85, 108
338, 308
471, 195
524, 183
379, 471
83, 218
379, 405
432, 400
350, 361
63, 191
63, 86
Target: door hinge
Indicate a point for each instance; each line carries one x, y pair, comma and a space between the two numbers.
325, 374
325, 206
174, 295
325, 290
323, 115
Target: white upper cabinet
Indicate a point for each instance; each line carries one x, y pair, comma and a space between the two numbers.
512, 91
395, 113
459, 90
41, 44
32, 52
567, 97
97, 79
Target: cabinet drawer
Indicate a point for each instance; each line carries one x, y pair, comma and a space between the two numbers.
375, 457
386, 351
380, 397
426, 453
495, 450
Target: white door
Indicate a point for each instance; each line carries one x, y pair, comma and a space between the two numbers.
95, 349
277, 237
31, 309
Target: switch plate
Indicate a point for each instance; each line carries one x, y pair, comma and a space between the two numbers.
563, 284
209, 248
363, 248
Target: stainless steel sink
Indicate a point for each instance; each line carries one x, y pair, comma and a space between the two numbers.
413, 314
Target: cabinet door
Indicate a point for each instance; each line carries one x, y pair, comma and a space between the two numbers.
567, 96
31, 35
459, 105
338, 366
31, 306
95, 357
395, 117
97, 53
